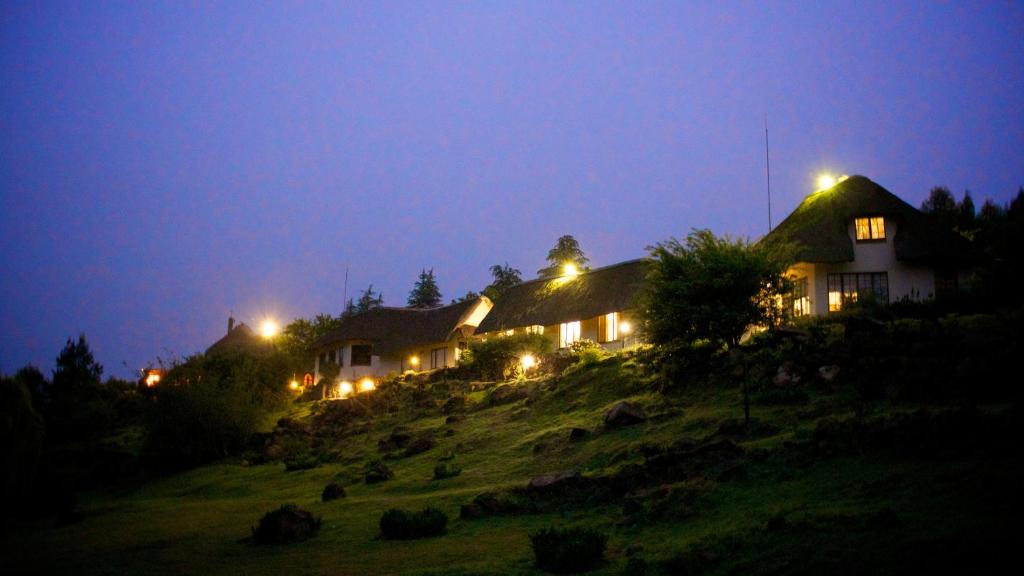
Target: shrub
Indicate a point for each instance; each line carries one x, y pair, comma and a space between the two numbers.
446, 470
567, 551
332, 491
498, 358
286, 524
377, 471
398, 524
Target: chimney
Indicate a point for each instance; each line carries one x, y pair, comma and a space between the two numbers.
231, 324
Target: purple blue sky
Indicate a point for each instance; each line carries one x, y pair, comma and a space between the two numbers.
164, 164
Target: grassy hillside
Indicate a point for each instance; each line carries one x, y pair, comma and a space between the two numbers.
825, 482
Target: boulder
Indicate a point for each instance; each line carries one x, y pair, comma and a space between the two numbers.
578, 434
828, 373
789, 374
506, 394
419, 446
624, 414
554, 481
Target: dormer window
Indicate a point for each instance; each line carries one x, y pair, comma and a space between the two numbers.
870, 229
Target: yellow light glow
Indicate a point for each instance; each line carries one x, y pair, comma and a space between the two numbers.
269, 328
826, 181
152, 379
625, 327
294, 384
366, 385
570, 270
528, 361
344, 389
414, 360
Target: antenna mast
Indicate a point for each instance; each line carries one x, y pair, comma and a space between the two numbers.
768, 171
344, 294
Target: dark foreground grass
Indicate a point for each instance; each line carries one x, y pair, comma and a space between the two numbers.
787, 511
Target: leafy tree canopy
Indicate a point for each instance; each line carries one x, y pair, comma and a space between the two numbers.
566, 251
76, 368
298, 337
505, 277
711, 288
425, 294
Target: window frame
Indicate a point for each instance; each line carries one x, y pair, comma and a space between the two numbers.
356, 359
567, 330
874, 227
845, 288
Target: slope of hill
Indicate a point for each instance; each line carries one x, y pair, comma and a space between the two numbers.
821, 480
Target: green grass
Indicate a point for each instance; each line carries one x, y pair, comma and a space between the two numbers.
194, 522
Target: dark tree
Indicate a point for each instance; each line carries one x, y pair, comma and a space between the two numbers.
425, 294
711, 289
76, 368
941, 206
505, 277
965, 213
298, 337
470, 295
566, 251
368, 300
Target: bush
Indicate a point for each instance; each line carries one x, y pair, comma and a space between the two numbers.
567, 551
286, 524
332, 491
498, 358
446, 470
398, 524
377, 471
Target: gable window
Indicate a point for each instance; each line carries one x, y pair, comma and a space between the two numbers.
869, 229
844, 289
438, 358
608, 327
535, 329
361, 354
568, 332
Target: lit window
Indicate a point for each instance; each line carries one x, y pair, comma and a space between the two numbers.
608, 327
870, 228
509, 332
845, 289
568, 332
798, 302
535, 329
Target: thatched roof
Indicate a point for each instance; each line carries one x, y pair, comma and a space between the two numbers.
818, 228
393, 330
553, 301
241, 338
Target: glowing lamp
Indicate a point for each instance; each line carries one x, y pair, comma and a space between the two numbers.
294, 384
152, 379
527, 361
570, 270
625, 327
344, 389
269, 328
414, 361
366, 385
826, 181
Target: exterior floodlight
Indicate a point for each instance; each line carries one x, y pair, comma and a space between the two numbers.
826, 181
625, 327
344, 389
527, 361
294, 384
570, 270
414, 361
269, 328
366, 385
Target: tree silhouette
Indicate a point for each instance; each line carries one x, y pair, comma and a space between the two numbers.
505, 277
566, 251
368, 300
425, 294
941, 206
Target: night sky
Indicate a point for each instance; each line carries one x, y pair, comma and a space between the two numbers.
163, 165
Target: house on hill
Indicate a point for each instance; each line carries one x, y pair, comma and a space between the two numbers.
599, 305
240, 338
857, 241
382, 340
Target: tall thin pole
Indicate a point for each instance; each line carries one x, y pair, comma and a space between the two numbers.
768, 171
344, 294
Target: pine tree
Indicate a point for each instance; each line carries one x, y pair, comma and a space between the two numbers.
425, 294
368, 300
566, 251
